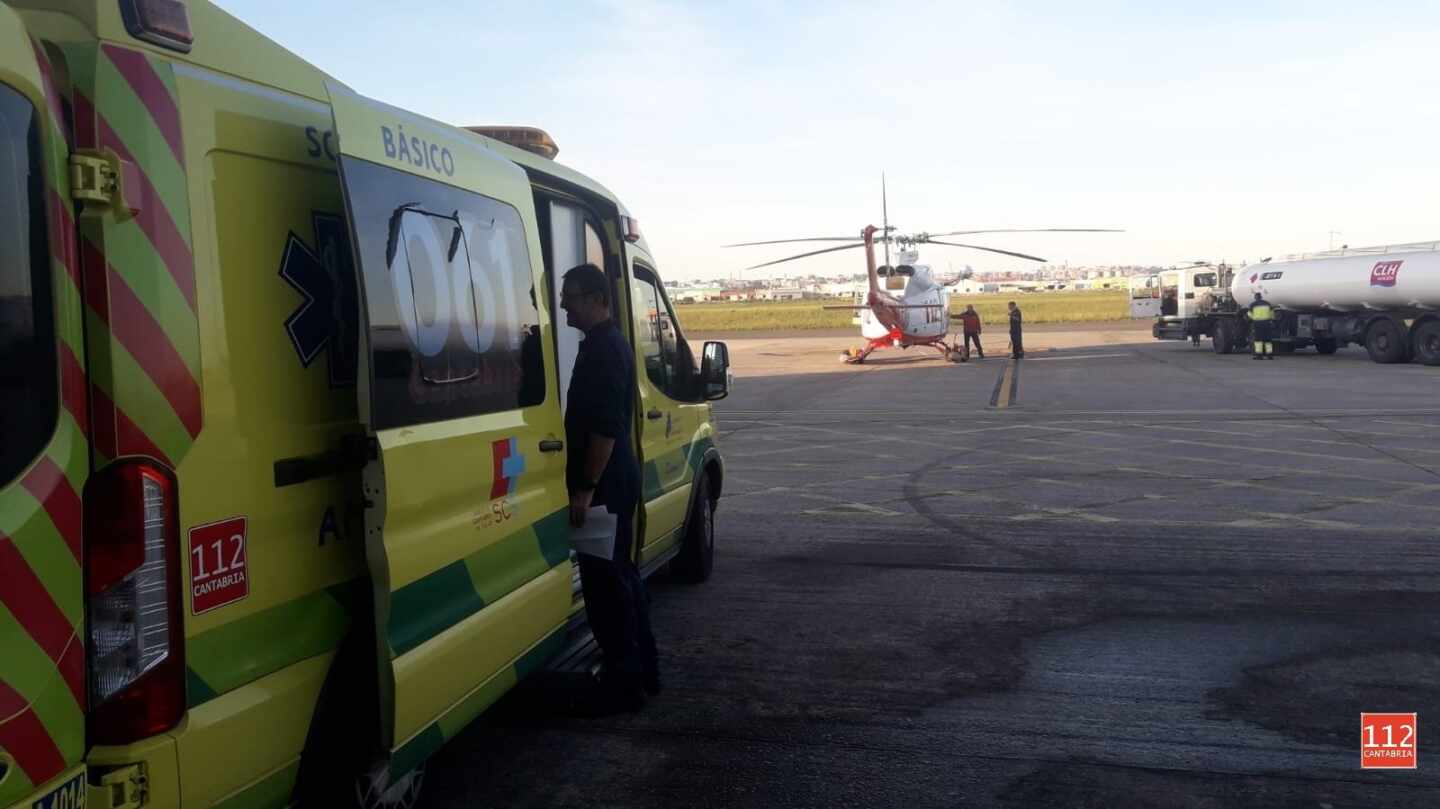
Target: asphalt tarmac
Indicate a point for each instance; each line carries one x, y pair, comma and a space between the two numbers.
1124, 575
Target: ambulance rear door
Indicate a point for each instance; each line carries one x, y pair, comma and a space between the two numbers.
43, 449
465, 505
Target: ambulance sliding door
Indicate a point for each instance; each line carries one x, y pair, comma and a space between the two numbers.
465, 525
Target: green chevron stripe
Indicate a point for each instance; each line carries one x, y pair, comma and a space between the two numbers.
71, 451
432, 604
415, 752
553, 532
540, 654
271, 792
134, 258
424, 744
691, 455
23, 519
117, 103
15, 786
132, 390
31, 673
70, 306
426, 607
197, 691
248, 648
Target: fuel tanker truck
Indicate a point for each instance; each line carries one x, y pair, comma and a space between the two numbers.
1386, 299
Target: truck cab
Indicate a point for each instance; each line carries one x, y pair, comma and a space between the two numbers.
1176, 298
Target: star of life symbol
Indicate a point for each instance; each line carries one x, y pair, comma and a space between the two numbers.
328, 316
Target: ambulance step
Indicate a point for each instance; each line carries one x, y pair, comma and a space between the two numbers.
580, 655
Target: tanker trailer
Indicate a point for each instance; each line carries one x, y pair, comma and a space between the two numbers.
1386, 299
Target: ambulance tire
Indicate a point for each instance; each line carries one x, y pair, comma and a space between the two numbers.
697, 552
339, 767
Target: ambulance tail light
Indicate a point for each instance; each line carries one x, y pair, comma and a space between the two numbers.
132, 571
160, 22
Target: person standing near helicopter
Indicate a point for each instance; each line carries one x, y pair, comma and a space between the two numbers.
970, 327
1017, 343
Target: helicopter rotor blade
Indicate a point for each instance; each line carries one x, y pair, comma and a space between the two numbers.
805, 255
885, 216
1029, 230
986, 249
790, 241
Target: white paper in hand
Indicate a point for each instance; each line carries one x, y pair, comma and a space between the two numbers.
597, 536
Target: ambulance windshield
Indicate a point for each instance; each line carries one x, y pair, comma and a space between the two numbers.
28, 396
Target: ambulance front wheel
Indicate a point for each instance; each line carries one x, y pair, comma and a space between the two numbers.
697, 555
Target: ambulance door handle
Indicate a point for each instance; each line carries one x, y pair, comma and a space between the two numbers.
654, 415
551, 445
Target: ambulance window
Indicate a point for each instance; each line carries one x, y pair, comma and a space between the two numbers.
29, 401
665, 353
594, 249
450, 298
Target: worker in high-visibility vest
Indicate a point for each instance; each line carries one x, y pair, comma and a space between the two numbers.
1262, 323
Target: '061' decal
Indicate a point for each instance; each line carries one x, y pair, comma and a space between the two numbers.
219, 569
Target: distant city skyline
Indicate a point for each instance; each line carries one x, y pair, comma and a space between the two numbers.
1217, 131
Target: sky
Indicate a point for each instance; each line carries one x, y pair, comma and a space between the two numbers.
1207, 131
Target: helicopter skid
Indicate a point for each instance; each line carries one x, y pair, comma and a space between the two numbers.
896, 339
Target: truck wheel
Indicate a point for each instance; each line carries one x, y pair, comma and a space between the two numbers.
697, 555
1385, 342
1223, 340
1427, 342
1326, 345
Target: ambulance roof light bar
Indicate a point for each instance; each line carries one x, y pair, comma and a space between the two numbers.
160, 22
529, 138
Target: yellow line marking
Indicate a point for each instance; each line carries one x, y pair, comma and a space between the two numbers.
1004, 400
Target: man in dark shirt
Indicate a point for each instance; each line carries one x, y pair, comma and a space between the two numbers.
601, 470
1017, 343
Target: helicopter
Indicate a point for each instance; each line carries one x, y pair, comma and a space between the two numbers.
920, 314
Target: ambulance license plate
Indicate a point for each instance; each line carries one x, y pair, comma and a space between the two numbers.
69, 795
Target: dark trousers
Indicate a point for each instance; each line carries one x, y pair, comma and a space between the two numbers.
1017, 344
975, 336
618, 606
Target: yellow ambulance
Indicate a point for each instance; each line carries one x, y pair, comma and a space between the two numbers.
282, 380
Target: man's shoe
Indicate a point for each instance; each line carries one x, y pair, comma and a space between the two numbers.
651, 683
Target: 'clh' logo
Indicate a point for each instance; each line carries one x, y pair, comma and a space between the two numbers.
509, 464
1385, 273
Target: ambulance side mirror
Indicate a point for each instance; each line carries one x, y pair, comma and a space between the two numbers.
715, 370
